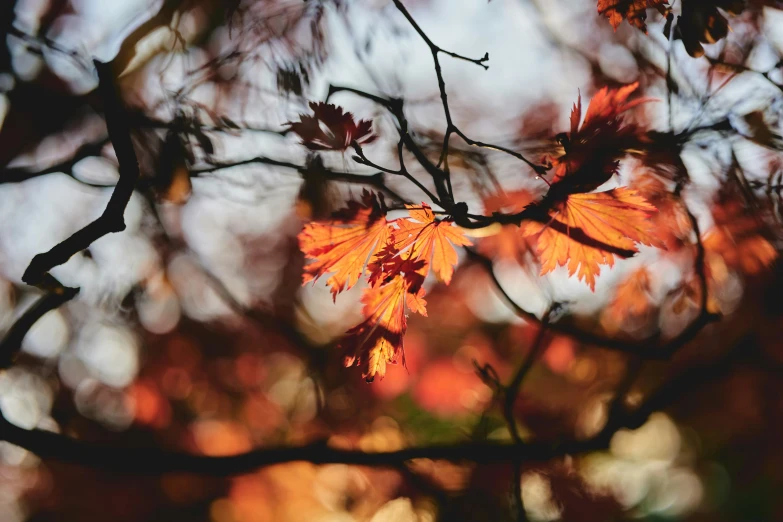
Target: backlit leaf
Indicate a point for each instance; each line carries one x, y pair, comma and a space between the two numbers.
426, 239
378, 340
593, 150
610, 221
344, 245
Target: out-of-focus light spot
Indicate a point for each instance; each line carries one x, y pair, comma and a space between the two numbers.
12, 455
48, 336
110, 354
25, 398
337, 483
729, 293
321, 318
149, 406
7, 83
628, 482
249, 369
6, 304
72, 370
220, 438
680, 493
199, 300
537, 498
397, 510
559, 355
159, 311
12, 510
583, 371
657, 439
291, 389
3, 108
592, 418
109, 406
384, 435
445, 390
176, 383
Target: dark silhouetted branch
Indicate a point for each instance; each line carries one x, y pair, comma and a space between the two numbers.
112, 219
56, 295
511, 393
55, 446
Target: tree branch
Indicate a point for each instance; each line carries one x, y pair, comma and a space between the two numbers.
112, 219
55, 446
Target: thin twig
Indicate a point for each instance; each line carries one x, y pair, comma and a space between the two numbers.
511, 393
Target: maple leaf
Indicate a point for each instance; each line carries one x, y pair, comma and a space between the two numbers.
635, 11
329, 128
610, 223
344, 245
593, 150
423, 238
378, 340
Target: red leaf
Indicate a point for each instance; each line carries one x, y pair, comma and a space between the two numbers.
593, 151
331, 129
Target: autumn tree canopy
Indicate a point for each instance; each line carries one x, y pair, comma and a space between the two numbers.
391, 261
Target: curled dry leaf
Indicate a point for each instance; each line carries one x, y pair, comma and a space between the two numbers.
609, 223
635, 11
329, 128
344, 245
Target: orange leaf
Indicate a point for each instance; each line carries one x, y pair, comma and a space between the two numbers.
632, 10
346, 244
378, 340
429, 240
610, 221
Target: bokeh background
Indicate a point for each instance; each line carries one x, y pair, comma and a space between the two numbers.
192, 331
